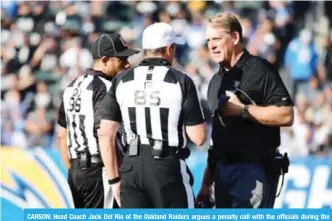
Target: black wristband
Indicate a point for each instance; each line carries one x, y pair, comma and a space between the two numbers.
113, 181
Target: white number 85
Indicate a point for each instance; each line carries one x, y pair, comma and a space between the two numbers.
143, 98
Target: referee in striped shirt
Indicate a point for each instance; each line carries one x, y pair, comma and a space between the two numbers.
79, 119
157, 104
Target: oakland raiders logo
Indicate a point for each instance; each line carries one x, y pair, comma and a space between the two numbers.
123, 41
236, 84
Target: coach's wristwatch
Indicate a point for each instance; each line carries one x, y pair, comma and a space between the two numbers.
245, 112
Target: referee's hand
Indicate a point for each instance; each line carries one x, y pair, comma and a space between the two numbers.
203, 194
116, 192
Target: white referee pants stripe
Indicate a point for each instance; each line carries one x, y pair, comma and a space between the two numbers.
108, 196
186, 183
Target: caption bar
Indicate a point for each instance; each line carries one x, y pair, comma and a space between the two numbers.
178, 214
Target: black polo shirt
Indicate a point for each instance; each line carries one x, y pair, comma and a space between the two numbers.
258, 79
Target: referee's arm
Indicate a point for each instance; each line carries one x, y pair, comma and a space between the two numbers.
109, 125
193, 115
62, 135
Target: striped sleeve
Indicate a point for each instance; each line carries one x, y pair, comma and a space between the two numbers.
192, 110
110, 109
99, 92
62, 116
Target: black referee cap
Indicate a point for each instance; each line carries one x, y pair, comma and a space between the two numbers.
111, 45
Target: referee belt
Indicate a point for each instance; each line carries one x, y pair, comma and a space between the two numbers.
181, 153
96, 158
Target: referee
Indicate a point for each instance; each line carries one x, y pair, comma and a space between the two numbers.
249, 104
158, 104
79, 119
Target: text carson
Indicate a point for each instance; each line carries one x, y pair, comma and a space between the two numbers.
39, 216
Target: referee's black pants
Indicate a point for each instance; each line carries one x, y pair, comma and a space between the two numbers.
89, 187
155, 183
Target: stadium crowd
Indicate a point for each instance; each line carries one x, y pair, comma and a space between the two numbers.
45, 45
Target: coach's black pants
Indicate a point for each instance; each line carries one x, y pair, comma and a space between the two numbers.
90, 187
244, 185
155, 183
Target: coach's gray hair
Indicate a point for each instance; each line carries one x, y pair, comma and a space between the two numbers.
227, 21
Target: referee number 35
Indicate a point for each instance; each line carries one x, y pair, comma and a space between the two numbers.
147, 98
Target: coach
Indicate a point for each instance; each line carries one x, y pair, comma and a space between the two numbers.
249, 104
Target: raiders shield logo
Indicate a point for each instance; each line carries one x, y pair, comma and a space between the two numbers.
123, 42
236, 84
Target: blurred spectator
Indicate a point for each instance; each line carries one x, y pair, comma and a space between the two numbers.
301, 62
43, 98
12, 118
263, 42
328, 60
74, 56
299, 133
321, 133
247, 29
38, 128
282, 14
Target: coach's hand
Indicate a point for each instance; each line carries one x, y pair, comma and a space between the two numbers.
116, 192
233, 106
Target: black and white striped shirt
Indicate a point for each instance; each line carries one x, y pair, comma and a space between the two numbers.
154, 101
80, 111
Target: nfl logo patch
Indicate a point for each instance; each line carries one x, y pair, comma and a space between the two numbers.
147, 84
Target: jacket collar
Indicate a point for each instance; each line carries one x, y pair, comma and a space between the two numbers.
154, 62
90, 71
239, 64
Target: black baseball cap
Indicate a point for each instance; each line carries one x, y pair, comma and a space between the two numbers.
111, 45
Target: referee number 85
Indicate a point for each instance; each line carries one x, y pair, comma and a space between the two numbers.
143, 98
